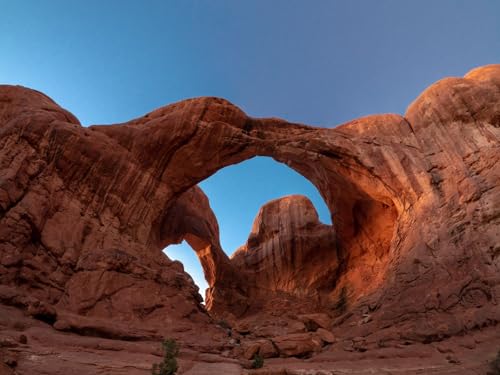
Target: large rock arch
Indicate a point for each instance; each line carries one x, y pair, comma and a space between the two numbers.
208, 134
92, 206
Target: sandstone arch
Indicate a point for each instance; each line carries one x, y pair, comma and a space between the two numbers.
208, 134
79, 206
168, 151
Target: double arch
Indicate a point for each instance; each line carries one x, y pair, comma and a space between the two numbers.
185, 143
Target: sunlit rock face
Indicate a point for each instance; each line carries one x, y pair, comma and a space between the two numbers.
289, 250
413, 253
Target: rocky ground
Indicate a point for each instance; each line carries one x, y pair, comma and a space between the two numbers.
32, 347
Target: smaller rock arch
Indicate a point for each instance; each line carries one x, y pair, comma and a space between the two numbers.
190, 218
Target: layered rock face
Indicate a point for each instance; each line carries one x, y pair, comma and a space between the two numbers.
288, 249
66, 252
412, 256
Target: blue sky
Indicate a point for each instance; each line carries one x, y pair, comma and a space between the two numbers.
316, 62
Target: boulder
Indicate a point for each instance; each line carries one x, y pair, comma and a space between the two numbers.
298, 345
315, 321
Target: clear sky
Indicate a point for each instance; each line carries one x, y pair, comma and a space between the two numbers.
317, 62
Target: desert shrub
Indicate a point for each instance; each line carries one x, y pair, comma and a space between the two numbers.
258, 361
169, 364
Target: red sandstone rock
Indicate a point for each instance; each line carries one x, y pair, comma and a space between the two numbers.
265, 348
288, 249
299, 344
315, 321
326, 336
412, 257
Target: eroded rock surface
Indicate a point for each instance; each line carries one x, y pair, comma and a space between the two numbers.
289, 249
412, 258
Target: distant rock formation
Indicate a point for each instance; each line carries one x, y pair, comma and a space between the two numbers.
289, 250
413, 254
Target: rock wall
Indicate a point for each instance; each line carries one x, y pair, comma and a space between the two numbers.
70, 243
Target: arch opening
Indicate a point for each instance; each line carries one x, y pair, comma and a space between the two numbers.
185, 254
236, 194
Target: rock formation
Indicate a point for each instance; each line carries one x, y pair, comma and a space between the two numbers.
412, 257
288, 250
